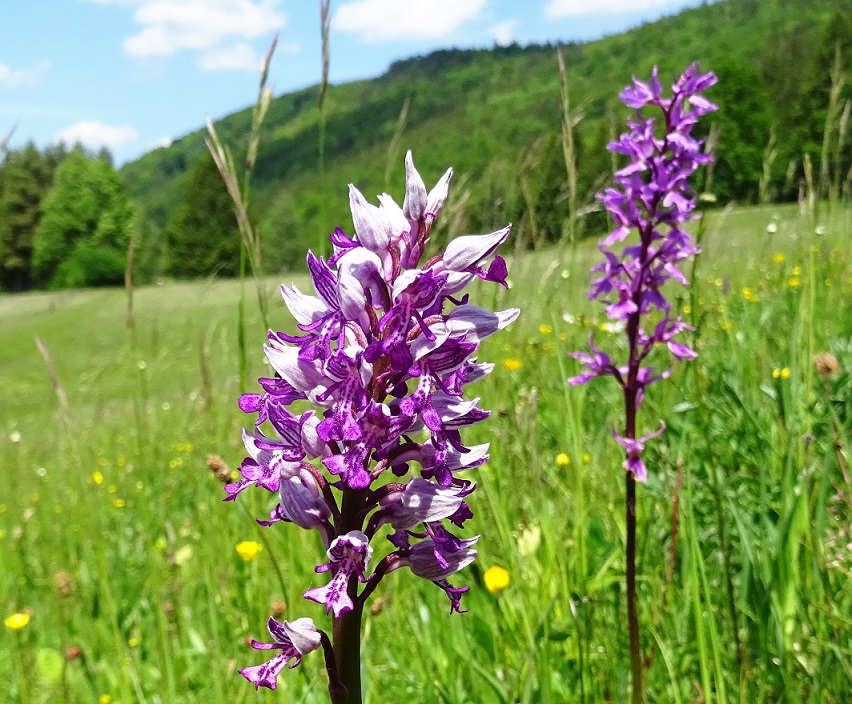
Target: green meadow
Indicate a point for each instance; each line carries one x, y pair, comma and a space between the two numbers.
115, 543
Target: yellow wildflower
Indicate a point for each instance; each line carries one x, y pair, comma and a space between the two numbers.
118, 503
779, 257
794, 282
133, 642
97, 477
726, 325
687, 309
248, 550
104, 699
512, 364
562, 460
545, 329
496, 579
785, 373
17, 621
587, 458
796, 271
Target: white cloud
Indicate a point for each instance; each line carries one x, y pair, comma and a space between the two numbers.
12, 77
504, 32
239, 57
161, 142
217, 29
94, 135
392, 20
172, 25
585, 8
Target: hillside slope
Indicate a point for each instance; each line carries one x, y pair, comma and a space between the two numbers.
495, 116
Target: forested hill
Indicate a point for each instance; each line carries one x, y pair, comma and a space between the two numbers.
495, 116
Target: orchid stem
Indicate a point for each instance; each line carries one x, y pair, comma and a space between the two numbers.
632, 611
630, 557
346, 632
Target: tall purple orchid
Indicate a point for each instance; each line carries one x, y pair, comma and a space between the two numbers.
385, 349
652, 197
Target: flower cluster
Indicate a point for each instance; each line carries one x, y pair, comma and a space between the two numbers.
383, 353
652, 196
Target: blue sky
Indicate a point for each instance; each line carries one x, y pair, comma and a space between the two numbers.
133, 74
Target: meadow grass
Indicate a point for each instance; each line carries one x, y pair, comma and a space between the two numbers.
115, 539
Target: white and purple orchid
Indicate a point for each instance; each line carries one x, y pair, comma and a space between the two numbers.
383, 353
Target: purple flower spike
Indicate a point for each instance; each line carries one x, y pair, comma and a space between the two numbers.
653, 198
293, 640
384, 351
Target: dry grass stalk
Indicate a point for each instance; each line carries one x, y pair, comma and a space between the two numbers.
832, 119
396, 139
5, 140
842, 129
61, 396
240, 194
206, 376
569, 122
769, 156
530, 163
808, 198
325, 27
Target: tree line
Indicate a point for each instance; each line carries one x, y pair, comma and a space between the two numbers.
67, 221
783, 129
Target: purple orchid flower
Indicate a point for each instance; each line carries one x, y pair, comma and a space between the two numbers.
384, 350
293, 640
653, 198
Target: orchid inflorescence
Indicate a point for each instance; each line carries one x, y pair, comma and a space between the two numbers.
384, 351
653, 197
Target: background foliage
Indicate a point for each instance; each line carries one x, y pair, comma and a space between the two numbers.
495, 115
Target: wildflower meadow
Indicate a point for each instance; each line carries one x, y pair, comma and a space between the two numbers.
172, 531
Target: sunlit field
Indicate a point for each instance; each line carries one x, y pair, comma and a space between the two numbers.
115, 542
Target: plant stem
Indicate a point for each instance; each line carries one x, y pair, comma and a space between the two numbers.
630, 558
346, 633
631, 395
